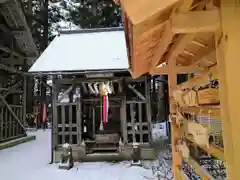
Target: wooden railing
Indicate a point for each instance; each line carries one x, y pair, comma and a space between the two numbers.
9, 126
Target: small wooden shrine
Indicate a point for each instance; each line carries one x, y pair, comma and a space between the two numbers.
97, 107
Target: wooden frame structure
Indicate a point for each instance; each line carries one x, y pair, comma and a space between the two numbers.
199, 38
77, 121
16, 50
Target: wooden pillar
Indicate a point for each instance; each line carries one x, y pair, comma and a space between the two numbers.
24, 96
63, 120
132, 115
124, 119
79, 122
228, 43
93, 121
172, 84
24, 101
148, 107
54, 117
30, 79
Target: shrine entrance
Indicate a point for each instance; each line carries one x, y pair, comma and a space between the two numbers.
81, 122
100, 136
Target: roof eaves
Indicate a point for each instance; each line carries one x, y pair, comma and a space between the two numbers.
92, 30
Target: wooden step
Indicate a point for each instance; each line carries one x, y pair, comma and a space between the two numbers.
103, 148
100, 142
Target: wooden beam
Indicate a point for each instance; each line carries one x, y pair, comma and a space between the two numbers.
11, 89
162, 46
202, 111
167, 36
15, 61
185, 5
202, 58
179, 45
12, 70
70, 81
12, 52
207, 50
66, 92
3, 1
228, 42
12, 61
179, 70
143, 10
196, 21
136, 92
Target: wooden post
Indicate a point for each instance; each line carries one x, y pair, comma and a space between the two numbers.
93, 121
54, 116
24, 102
1, 123
172, 84
24, 96
132, 114
148, 107
79, 122
124, 119
70, 114
140, 121
228, 43
63, 120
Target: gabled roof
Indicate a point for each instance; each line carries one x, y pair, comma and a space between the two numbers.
84, 50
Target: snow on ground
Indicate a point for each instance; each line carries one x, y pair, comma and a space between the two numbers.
18, 162
30, 161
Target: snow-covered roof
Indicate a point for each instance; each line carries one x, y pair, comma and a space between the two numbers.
84, 50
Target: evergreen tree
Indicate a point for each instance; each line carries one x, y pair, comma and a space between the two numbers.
96, 14
70, 14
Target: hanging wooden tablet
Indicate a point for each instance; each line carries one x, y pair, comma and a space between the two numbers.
199, 132
208, 96
179, 119
183, 149
178, 96
190, 98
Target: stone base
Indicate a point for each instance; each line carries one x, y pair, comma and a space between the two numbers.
125, 153
15, 142
65, 166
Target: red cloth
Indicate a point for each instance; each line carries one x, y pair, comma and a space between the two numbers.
44, 113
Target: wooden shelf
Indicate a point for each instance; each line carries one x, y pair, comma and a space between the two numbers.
200, 79
212, 112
